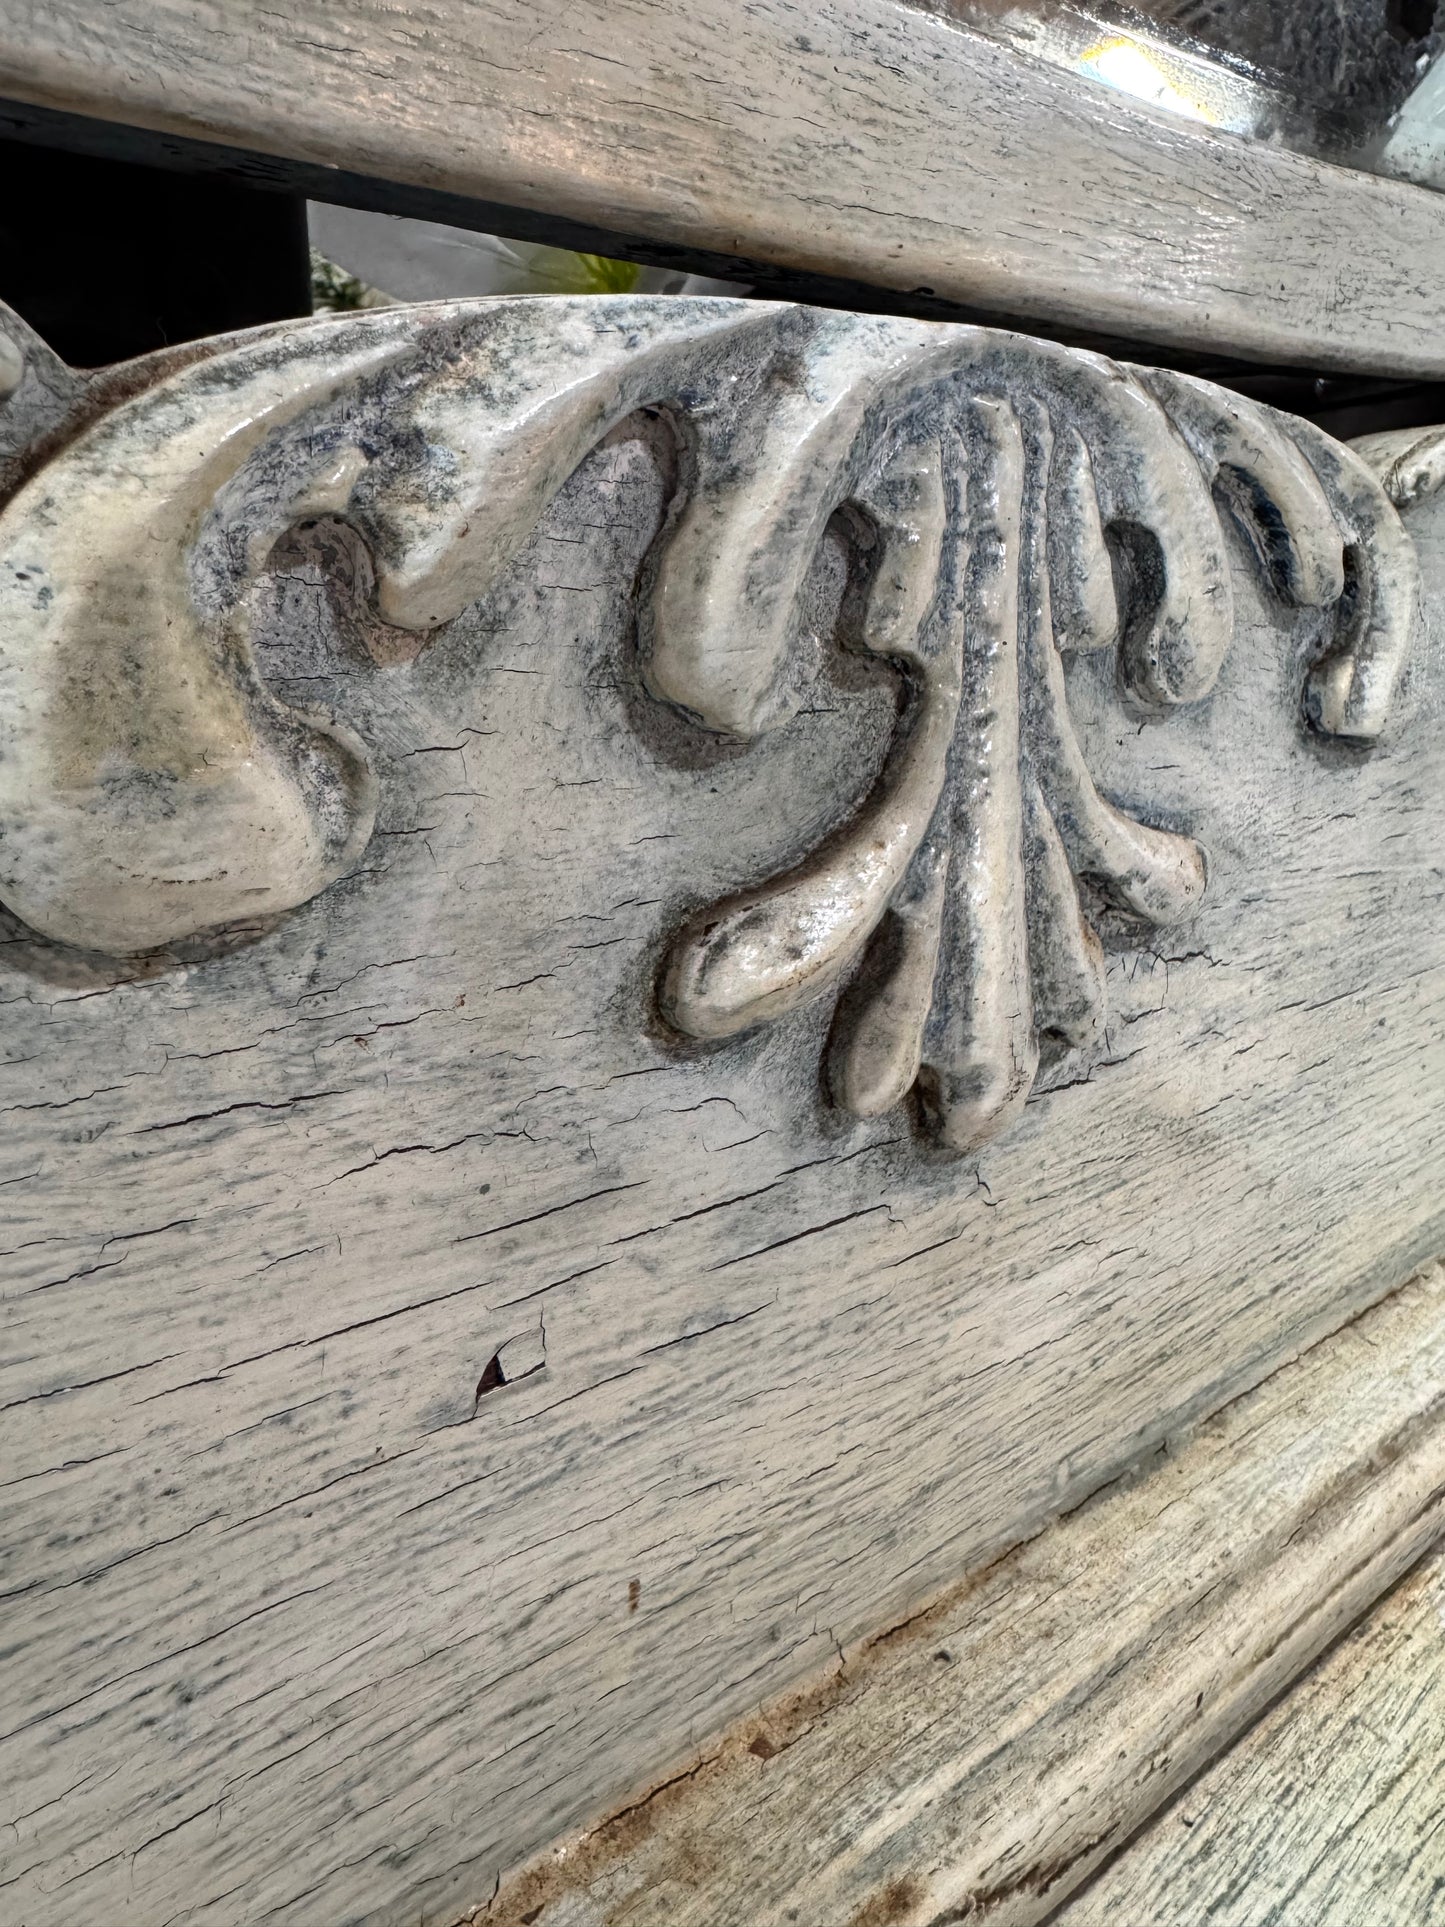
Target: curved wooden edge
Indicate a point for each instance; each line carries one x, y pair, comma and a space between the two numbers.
1326, 1812
983, 1758
875, 142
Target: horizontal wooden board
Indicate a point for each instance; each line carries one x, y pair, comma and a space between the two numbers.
867, 139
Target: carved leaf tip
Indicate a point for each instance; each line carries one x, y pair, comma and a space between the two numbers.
150, 785
1087, 521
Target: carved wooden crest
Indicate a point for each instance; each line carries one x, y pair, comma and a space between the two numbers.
1007, 502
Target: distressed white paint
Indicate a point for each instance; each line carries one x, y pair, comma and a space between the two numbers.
865, 138
1327, 1813
312, 1611
981, 1760
153, 787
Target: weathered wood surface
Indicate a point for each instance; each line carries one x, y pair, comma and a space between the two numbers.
436, 1396
978, 1762
864, 138
1327, 1814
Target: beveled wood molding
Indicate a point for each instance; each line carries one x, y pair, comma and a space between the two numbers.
1330, 1803
872, 140
1004, 503
981, 1760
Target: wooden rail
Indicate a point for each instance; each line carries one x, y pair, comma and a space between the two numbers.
863, 139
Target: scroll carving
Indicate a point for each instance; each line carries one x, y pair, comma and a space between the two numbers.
1009, 502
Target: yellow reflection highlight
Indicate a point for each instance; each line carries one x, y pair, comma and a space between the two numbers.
1132, 69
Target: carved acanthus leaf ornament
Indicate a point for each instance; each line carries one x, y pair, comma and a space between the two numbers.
1013, 501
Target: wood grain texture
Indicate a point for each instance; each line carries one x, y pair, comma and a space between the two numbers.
863, 138
435, 1398
1327, 1813
977, 1762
